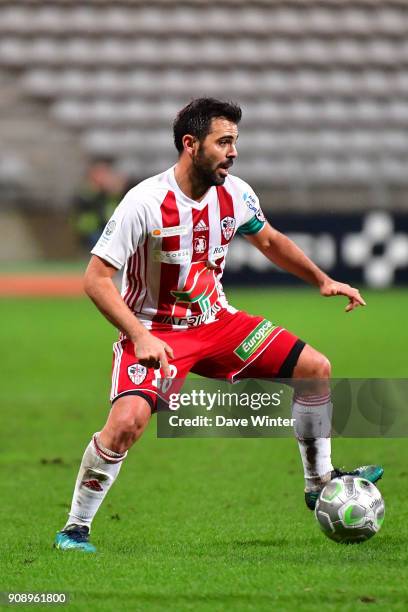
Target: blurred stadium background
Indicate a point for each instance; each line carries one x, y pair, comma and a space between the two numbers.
323, 85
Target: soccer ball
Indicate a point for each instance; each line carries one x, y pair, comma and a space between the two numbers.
350, 509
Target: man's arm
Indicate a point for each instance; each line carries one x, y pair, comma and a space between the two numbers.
98, 284
283, 252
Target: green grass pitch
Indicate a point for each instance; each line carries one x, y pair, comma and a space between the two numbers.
206, 524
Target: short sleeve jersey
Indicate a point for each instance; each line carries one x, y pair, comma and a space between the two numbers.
173, 249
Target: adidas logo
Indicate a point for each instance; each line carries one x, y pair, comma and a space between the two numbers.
200, 227
94, 485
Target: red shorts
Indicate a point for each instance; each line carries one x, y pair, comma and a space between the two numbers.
234, 346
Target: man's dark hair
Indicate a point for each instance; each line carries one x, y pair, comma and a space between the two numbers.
195, 118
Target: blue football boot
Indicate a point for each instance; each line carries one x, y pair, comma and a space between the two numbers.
373, 473
74, 537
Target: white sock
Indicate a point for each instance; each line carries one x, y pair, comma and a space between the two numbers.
313, 429
97, 473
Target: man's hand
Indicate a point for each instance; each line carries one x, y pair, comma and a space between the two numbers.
331, 287
153, 352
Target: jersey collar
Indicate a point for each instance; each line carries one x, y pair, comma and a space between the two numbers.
181, 196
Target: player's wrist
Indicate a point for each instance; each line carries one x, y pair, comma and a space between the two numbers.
139, 334
323, 280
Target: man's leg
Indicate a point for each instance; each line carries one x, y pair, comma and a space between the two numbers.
286, 357
100, 467
312, 410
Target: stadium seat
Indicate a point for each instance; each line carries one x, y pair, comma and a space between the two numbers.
324, 86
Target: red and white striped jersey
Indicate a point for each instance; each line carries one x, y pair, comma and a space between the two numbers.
173, 249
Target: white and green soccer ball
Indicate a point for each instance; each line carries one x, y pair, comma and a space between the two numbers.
350, 509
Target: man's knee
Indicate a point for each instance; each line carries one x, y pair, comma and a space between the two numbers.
312, 364
129, 427
127, 420
320, 367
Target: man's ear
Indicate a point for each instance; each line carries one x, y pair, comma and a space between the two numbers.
190, 144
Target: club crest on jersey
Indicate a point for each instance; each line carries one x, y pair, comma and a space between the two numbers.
200, 244
228, 227
137, 373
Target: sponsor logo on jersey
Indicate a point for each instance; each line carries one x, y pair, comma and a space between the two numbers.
200, 290
228, 227
216, 255
164, 232
110, 228
253, 206
194, 321
137, 373
250, 201
218, 251
205, 317
172, 257
253, 341
201, 226
200, 244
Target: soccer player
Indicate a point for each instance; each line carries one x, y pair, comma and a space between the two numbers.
171, 234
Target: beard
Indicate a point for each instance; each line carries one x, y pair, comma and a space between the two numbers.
206, 171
